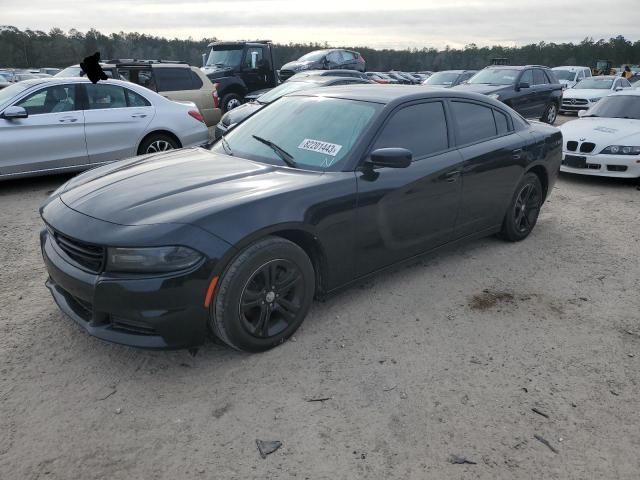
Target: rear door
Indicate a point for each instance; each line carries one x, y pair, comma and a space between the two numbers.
406, 211
492, 164
116, 119
51, 137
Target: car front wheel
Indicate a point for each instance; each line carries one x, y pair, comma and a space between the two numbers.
263, 296
524, 209
550, 114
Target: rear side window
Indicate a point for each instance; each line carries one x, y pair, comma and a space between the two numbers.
421, 128
196, 81
501, 122
473, 122
136, 100
173, 79
539, 77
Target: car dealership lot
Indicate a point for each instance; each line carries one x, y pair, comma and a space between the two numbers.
444, 356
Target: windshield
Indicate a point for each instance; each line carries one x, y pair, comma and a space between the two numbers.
317, 132
597, 83
617, 106
225, 56
313, 56
283, 89
495, 76
565, 75
7, 94
442, 78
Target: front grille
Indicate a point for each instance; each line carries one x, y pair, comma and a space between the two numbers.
89, 256
575, 101
587, 147
132, 326
572, 145
83, 309
617, 168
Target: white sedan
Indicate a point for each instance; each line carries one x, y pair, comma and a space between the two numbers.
590, 90
605, 141
56, 125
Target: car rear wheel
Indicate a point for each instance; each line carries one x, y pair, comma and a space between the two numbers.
550, 114
263, 296
231, 101
524, 209
157, 142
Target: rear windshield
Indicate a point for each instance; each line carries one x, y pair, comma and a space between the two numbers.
317, 132
597, 83
495, 76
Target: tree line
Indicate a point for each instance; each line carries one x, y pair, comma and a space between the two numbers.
35, 48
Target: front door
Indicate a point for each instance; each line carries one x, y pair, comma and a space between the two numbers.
253, 72
404, 212
51, 137
523, 102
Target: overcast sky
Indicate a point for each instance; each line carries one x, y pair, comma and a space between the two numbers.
374, 23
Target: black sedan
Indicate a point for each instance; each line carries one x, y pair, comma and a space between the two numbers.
235, 116
312, 193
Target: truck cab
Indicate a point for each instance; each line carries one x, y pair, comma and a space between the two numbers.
239, 68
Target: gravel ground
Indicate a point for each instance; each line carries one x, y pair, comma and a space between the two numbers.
448, 356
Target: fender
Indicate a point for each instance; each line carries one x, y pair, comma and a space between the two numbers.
229, 84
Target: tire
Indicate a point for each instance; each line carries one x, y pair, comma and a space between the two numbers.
550, 114
230, 101
518, 221
157, 142
251, 316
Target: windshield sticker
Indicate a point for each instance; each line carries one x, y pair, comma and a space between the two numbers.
606, 130
319, 146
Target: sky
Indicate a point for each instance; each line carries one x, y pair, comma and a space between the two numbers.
395, 24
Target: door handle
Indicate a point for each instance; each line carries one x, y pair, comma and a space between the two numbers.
70, 120
452, 176
138, 115
516, 153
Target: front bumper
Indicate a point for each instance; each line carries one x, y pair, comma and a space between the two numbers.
567, 107
148, 311
620, 166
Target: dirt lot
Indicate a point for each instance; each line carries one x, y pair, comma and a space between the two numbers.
448, 356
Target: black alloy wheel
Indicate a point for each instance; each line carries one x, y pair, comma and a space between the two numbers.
523, 212
271, 299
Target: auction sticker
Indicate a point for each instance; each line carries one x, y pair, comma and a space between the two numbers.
319, 146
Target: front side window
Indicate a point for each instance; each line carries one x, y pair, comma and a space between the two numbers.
253, 58
527, 77
473, 122
54, 99
334, 57
101, 96
313, 56
318, 133
420, 128
173, 79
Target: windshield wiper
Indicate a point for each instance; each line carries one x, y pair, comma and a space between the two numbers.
283, 154
225, 145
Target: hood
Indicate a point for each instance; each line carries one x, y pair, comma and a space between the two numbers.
182, 186
482, 88
586, 93
297, 66
602, 131
240, 113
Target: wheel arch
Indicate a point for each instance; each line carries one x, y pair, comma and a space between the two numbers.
541, 172
161, 132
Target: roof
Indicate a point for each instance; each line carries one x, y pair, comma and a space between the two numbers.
387, 94
515, 67
570, 67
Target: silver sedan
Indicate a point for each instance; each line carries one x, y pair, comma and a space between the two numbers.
67, 124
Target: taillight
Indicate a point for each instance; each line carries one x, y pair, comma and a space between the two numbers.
216, 98
197, 115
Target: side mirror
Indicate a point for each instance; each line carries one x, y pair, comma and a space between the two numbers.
522, 85
14, 112
619, 89
390, 158
204, 59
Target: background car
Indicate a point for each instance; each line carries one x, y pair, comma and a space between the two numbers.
56, 125
399, 78
449, 78
312, 193
4, 82
570, 75
329, 59
331, 73
605, 141
590, 90
531, 90
378, 78
174, 80
19, 77
294, 84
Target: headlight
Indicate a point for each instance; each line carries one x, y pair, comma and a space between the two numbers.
494, 95
593, 100
156, 259
621, 150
